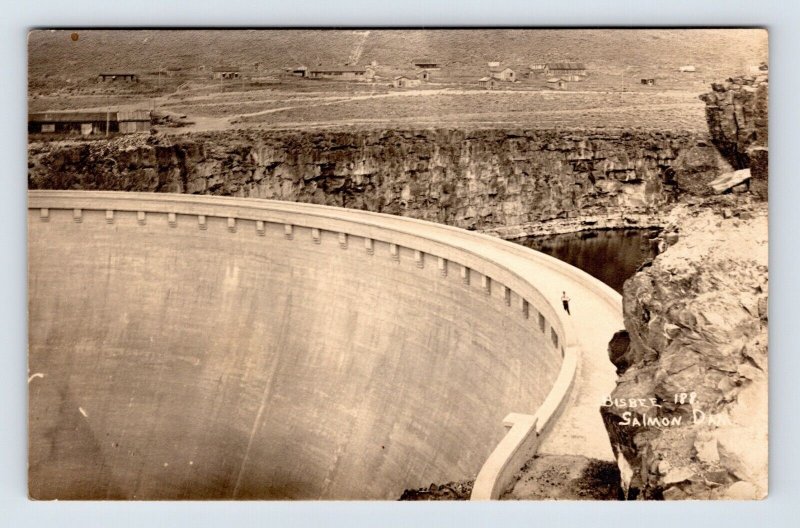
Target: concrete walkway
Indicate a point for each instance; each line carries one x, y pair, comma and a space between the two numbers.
580, 430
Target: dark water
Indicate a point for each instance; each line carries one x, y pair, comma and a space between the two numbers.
611, 255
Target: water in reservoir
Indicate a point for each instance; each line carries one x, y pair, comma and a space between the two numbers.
611, 255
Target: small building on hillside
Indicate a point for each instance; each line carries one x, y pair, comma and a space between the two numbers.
561, 69
489, 83
426, 63
571, 78
402, 81
649, 81
503, 74
341, 73
493, 64
554, 83
89, 123
226, 73
536, 68
298, 71
689, 68
126, 77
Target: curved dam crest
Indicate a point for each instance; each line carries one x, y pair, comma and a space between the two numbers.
212, 348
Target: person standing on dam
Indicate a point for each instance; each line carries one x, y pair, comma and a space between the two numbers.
565, 302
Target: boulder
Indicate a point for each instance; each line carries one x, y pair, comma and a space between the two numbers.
730, 180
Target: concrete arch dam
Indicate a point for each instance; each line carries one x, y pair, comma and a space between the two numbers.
186, 347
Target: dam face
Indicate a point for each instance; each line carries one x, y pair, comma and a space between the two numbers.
214, 356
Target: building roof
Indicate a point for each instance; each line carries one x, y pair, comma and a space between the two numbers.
424, 60
226, 69
566, 66
537, 66
498, 69
324, 69
84, 117
485, 79
133, 115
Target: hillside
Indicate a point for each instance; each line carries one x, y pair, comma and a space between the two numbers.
175, 80
652, 53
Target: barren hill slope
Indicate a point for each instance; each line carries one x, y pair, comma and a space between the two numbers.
715, 52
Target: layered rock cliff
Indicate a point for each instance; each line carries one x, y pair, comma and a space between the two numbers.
688, 418
736, 112
479, 179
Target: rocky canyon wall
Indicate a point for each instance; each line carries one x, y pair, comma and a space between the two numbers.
480, 179
737, 116
688, 418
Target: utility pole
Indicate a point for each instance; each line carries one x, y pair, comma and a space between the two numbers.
108, 114
624, 75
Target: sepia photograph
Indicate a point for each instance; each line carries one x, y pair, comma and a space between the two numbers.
397, 264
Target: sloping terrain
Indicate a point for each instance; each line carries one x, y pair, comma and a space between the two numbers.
714, 52
175, 80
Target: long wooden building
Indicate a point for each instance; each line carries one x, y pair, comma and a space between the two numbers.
89, 123
341, 73
558, 69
